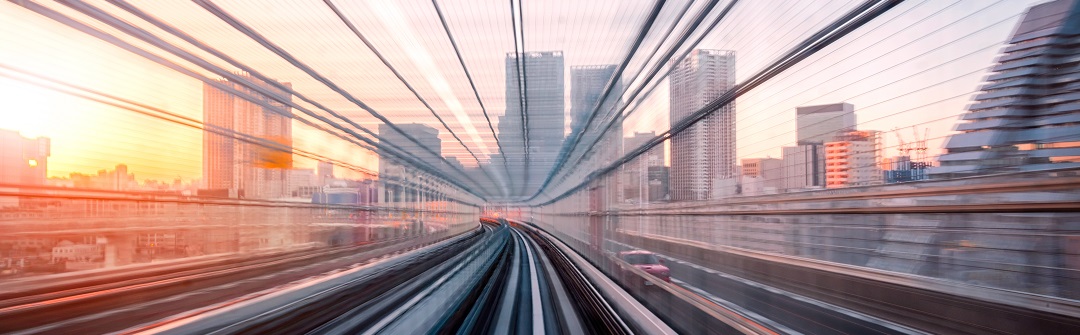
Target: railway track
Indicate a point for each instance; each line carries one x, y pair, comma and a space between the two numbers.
117, 300
506, 279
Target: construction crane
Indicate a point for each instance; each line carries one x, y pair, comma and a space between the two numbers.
919, 146
903, 147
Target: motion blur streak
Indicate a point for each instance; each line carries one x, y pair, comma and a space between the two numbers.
539, 167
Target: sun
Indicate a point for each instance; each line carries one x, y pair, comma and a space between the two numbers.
28, 109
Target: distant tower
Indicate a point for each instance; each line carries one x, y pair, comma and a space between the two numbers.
586, 88
587, 85
545, 112
705, 152
231, 164
1026, 117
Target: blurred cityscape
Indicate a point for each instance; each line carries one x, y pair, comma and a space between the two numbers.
681, 141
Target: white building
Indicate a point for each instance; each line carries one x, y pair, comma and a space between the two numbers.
72, 252
762, 176
325, 173
703, 154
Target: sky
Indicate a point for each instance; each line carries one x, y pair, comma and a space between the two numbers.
916, 66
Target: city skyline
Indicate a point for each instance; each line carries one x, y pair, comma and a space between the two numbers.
556, 166
179, 156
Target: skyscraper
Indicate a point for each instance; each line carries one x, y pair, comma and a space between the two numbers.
587, 85
235, 165
703, 154
1027, 116
586, 88
543, 117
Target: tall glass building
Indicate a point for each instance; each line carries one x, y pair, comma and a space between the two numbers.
534, 101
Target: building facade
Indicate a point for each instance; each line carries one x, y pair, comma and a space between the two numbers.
246, 134
804, 167
762, 175
587, 83
703, 154
820, 124
804, 163
852, 159
1028, 114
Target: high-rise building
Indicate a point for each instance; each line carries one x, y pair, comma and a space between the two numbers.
703, 154
542, 121
240, 166
23, 161
1026, 116
587, 85
851, 159
819, 124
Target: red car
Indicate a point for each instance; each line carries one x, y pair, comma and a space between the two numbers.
648, 262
